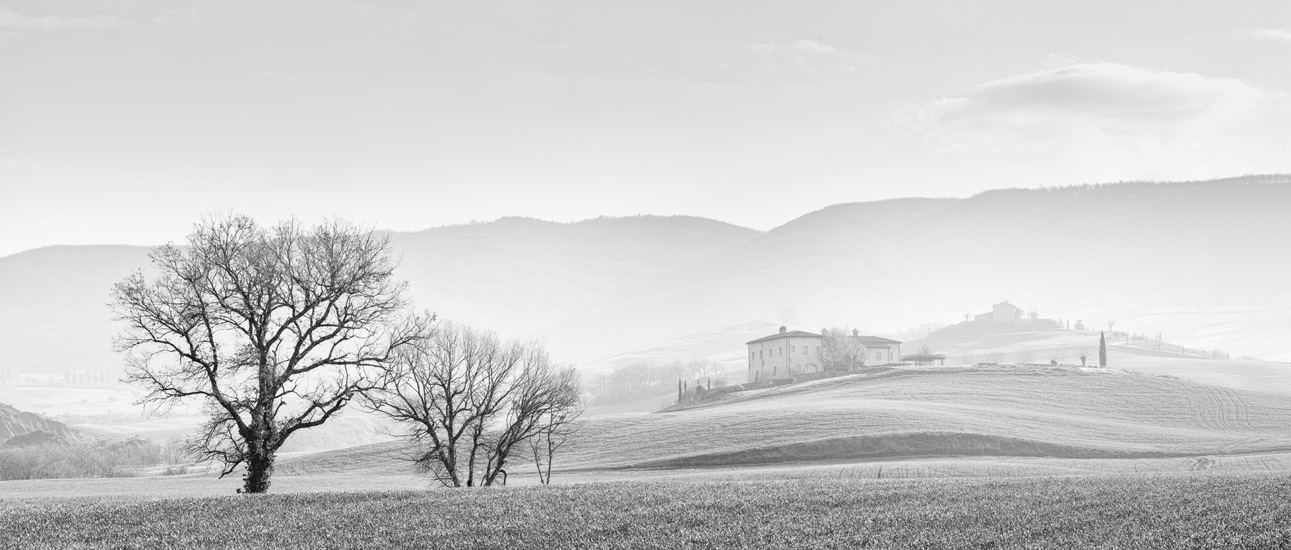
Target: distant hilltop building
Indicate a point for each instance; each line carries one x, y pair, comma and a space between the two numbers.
1005, 313
792, 353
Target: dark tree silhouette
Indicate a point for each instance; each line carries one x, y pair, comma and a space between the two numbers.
274, 330
1102, 350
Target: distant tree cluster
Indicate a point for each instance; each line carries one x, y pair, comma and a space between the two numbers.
70, 460
86, 378
642, 379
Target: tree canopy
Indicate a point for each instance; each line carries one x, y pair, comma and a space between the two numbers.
273, 329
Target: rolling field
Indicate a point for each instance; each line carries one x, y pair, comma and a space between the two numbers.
1061, 412
993, 456
1068, 418
912, 422
1160, 511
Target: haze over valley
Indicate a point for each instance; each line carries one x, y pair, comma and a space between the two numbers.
1193, 261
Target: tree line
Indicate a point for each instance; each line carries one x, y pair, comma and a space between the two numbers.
278, 329
644, 379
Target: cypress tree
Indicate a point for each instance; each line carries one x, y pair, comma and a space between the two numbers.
679, 390
1102, 349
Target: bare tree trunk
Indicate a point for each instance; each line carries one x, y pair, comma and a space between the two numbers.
259, 467
551, 457
470, 463
537, 458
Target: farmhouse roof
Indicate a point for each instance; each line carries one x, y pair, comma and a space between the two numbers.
876, 340
1006, 304
789, 334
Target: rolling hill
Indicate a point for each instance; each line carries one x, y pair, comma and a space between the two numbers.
971, 343
912, 413
1063, 412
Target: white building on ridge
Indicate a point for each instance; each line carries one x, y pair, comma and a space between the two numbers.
792, 353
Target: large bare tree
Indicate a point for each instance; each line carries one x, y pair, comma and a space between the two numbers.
469, 400
273, 329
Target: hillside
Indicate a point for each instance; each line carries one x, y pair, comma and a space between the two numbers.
971, 343
512, 275
1190, 259
912, 413
16, 423
996, 411
815, 269
53, 312
516, 274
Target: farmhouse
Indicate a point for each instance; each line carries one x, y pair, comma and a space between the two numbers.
784, 354
792, 353
879, 351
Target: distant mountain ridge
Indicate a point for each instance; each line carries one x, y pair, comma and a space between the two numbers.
1116, 252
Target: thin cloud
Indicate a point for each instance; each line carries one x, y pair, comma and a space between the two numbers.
190, 14
801, 58
1273, 34
814, 47
1112, 116
10, 19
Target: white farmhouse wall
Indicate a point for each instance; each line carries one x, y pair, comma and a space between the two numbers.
784, 357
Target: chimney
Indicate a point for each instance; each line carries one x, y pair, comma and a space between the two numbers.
782, 330
855, 333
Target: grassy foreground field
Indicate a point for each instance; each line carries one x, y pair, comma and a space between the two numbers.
1155, 511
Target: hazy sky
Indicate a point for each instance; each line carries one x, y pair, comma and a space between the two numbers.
122, 122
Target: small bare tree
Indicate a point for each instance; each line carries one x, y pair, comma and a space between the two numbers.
468, 400
274, 330
558, 423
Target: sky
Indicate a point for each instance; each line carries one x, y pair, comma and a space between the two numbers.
124, 122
